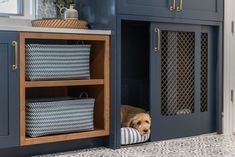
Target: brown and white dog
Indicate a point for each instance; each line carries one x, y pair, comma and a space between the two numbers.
135, 118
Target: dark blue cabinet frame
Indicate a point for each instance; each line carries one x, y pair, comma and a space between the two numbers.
215, 44
9, 91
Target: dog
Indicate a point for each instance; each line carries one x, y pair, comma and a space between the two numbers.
135, 118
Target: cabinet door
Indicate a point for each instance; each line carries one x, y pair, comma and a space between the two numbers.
159, 8
176, 82
9, 91
200, 9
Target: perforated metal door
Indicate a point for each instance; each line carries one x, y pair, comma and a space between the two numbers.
179, 81
177, 73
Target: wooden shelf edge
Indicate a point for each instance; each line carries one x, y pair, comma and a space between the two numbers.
32, 84
64, 137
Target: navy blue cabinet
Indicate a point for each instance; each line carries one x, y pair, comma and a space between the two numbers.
9, 90
189, 30
190, 9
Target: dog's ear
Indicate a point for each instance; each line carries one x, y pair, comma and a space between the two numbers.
148, 112
131, 122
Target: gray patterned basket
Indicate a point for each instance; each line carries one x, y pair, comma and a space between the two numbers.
63, 115
52, 62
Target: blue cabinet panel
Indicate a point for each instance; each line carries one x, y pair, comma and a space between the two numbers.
4, 129
9, 92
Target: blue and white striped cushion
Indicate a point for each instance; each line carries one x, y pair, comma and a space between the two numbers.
131, 136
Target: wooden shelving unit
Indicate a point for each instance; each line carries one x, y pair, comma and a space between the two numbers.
98, 86
65, 137
33, 84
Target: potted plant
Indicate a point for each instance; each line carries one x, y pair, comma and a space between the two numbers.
59, 4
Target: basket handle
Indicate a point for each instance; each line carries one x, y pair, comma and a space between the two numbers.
82, 94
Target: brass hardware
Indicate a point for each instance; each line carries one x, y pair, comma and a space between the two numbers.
180, 6
173, 5
158, 46
15, 45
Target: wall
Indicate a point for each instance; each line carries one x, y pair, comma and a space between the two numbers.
229, 46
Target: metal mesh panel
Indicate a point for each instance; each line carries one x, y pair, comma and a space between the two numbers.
177, 73
204, 71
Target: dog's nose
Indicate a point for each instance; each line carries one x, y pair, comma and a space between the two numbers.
146, 130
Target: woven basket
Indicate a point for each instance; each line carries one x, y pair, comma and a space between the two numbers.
61, 23
56, 62
63, 115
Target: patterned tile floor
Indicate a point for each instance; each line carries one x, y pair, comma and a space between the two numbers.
200, 146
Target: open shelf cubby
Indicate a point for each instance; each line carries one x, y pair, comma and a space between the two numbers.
96, 87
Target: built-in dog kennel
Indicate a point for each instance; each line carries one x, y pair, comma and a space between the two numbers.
170, 70
135, 73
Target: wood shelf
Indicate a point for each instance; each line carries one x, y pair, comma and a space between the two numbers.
66, 137
32, 84
97, 88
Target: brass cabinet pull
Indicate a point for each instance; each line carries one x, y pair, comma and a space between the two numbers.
158, 37
15, 45
173, 5
180, 6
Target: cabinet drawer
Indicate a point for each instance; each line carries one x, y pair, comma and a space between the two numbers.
188, 9
200, 9
159, 8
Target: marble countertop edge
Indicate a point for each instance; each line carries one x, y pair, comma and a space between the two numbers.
53, 30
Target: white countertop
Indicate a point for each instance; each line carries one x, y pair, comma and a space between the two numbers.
52, 30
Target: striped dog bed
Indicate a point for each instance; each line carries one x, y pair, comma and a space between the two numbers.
132, 136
